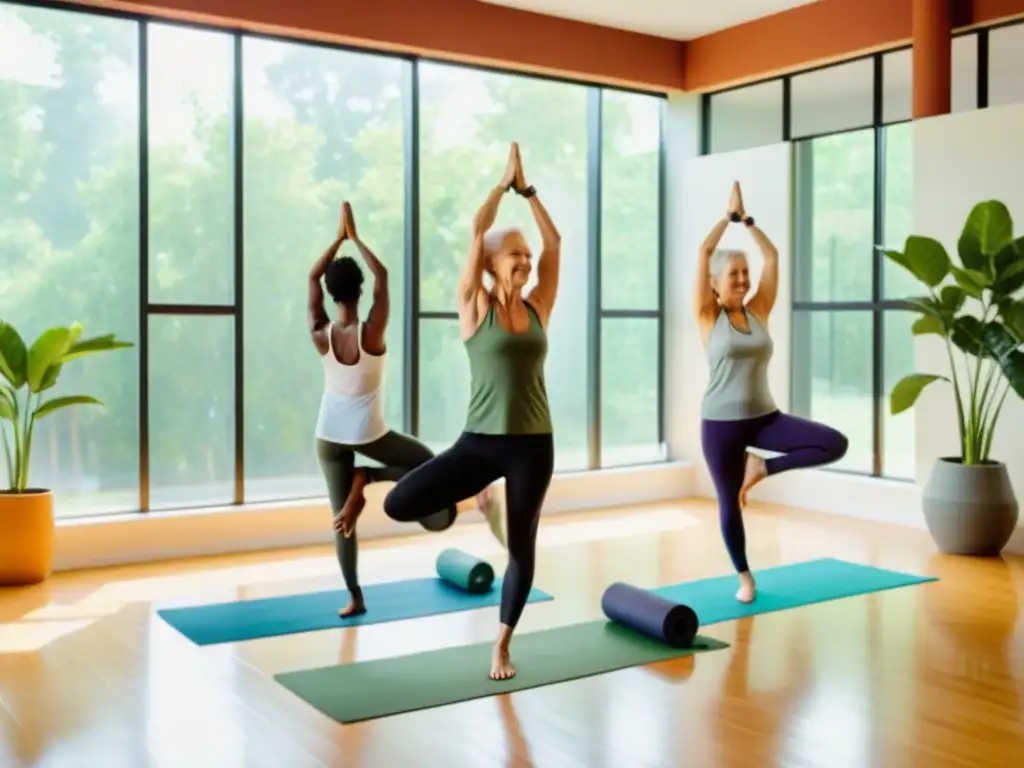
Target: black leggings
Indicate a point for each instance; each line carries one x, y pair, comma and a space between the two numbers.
399, 454
474, 462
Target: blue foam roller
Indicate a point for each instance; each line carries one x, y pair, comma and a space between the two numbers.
463, 570
637, 609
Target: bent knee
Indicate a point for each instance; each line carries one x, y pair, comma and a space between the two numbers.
837, 446
396, 504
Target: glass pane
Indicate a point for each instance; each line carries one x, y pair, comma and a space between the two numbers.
629, 392
631, 136
1005, 64
898, 81
747, 117
835, 217
833, 99
468, 119
898, 432
321, 126
898, 283
191, 411
69, 237
191, 166
832, 378
444, 383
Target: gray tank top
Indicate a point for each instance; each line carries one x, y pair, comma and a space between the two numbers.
737, 371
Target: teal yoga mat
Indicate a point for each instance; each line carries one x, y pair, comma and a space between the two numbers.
382, 687
365, 690
786, 586
312, 611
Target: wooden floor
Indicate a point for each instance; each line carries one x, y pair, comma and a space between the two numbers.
928, 676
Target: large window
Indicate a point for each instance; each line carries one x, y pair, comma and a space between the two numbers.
174, 185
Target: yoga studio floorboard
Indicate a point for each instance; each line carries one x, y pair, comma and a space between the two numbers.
929, 674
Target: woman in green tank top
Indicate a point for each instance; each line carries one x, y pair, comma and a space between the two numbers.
508, 425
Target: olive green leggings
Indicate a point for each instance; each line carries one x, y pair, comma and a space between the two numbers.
400, 454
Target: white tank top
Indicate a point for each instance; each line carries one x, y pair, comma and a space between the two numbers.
352, 406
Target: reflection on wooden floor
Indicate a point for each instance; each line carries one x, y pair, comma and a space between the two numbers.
928, 676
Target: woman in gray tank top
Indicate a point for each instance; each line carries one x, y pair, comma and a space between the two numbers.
738, 411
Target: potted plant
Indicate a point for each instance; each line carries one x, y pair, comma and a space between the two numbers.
969, 503
26, 374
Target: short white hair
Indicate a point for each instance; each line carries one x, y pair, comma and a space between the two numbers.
495, 238
721, 259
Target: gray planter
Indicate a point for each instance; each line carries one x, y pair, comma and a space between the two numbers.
970, 510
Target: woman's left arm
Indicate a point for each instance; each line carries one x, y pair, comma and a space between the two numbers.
762, 302
543, 295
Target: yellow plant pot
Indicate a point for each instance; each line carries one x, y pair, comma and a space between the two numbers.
26, 537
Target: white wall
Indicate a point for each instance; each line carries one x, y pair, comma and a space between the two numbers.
702, 195
959, 161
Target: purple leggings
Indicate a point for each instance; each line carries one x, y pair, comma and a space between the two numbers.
802, 443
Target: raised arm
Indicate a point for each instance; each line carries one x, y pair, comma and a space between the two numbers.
704, 301
316, 315
377, 320
543, 295
471, 280
762, 302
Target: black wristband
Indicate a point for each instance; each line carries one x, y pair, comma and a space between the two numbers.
735, 218
749, 221
528, 192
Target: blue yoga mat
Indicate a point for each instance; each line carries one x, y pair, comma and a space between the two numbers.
309, 612
785, 586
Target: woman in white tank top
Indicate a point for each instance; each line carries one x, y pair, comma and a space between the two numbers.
351, 418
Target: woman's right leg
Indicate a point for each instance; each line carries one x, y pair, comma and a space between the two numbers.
458, 473
337, 464
725, 450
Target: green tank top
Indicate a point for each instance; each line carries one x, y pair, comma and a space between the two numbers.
507, 392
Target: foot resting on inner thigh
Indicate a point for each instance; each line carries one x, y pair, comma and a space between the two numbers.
753, 473
501, 659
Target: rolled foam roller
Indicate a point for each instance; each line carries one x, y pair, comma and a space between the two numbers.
463, 570
637, 609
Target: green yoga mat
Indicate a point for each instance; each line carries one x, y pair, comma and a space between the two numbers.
365, 690
350, 693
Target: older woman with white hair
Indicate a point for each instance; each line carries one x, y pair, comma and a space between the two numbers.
737, 410
508, 430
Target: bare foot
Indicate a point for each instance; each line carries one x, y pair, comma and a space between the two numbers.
745, 594
356, 607
491, 509
754, 472
501, 664
345, 521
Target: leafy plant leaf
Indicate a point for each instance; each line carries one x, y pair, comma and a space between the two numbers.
95, 344
968, 335
58, 403
973, 283
926, 305
987, 230
13, 356
46, 350
927, 324
1013, 318
952, 298
908, 389
1007, 352
7, 410
1008, 266
927, 259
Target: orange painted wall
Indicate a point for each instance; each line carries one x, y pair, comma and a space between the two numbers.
460, 30
821, 32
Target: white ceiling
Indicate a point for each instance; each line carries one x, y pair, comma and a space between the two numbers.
676, 19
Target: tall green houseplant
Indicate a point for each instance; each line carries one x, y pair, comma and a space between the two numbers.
975, 309
27, 374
